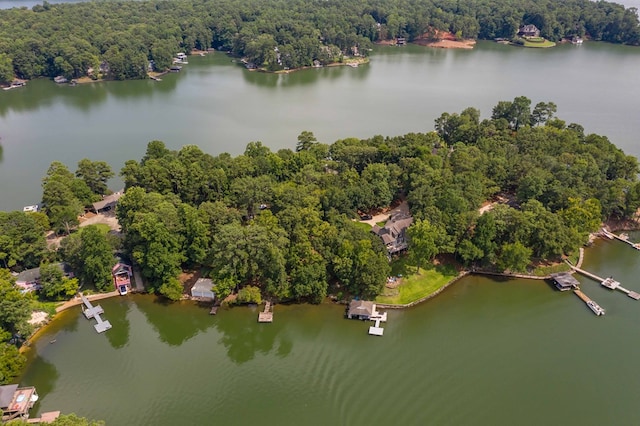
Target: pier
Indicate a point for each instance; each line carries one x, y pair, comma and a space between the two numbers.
266, 315
609, 283
376, 330
91, 311
622, 237
590, 303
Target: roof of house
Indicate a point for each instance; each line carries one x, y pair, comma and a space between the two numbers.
565, 279
528, 28
203, 284
361, 307
6, 395
394, 226
108, 200
121, 267
32, 275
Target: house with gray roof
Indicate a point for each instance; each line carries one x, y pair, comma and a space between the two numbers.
203, 289
529, 31
108, 202
29, 279
394, 232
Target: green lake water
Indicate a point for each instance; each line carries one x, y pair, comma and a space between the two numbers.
485, 352
219, 106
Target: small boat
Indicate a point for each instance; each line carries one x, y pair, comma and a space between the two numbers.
595, 308
52, 341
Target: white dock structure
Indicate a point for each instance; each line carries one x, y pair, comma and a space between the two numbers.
609, 283
91, 311
376, 330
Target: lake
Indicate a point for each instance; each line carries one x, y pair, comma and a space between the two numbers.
485, 352
218, 105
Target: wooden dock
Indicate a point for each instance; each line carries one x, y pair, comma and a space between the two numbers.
91, 311
47, 417
609, 283
622, 237
266, 315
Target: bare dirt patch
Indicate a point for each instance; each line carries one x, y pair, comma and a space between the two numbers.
108, 218
444, 40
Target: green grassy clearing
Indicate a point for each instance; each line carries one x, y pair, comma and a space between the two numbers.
415, 286
537, 42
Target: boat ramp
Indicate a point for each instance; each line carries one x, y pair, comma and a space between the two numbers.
91, 311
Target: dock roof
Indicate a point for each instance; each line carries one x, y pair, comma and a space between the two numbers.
108, 201
565, 280
361, 308
6, 395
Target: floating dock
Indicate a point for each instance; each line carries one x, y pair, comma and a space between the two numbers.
91, 311
376, 330
266, 315
590, 303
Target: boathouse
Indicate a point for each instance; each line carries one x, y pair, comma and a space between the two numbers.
361, 309
203, 289
564, 281
121, 273
16, 402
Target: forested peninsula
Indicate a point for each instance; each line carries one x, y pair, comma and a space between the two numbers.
496, 194
117, 40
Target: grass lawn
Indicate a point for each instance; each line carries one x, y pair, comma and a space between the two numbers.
538, 43
365, 226
415, 286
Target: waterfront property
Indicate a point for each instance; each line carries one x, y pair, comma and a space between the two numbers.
203, 289
361, 309
564, 281
610, 283
121, 273
393, 233
29, 279
529, 31
108, 202
16, 402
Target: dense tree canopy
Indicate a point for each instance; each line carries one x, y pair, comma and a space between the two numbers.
281, 221
71, 39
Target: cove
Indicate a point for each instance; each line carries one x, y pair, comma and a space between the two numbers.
219, 106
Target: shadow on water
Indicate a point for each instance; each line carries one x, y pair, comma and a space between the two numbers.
43, 375
244, 337
175, 322
1, 154
118, 336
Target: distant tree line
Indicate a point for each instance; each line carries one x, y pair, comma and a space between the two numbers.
69, 39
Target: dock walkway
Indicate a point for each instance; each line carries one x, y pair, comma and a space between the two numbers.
91, 311
610, 283
622, 237
590, 303
266, 315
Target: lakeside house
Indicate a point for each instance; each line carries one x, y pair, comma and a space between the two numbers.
29, 279
121, 273
564, 281
203, 289
108, 202
529, 30
16, 402
394, 232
